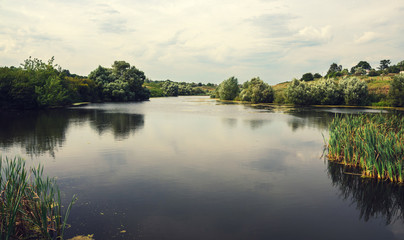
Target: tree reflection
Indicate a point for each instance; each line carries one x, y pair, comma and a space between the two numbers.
36, 131
309, 117
120, 124
41, 132
372, 198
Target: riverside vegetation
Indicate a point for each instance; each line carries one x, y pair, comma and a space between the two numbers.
37, 84
361, 87
30, 204
371, 143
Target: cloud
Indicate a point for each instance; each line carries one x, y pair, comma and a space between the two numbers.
315, 36
274, 25
203, 41
367, 37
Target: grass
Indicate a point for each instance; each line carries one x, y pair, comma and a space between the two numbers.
372, 143
30, 204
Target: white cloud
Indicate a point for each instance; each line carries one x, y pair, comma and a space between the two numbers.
315, 35
366, 38
195, 40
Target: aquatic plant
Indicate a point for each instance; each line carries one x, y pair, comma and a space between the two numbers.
374, 143
30, 205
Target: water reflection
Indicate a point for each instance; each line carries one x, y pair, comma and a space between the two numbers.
37, 132
41, 132
372, 198
309, 117
120, 124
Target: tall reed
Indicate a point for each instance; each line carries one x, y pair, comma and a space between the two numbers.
30, 206
374, 143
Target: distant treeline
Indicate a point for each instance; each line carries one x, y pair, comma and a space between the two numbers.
361, 69
36, 84
339, 87
169, 88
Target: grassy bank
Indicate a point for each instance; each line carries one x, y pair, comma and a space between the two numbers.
30, 204
372, 143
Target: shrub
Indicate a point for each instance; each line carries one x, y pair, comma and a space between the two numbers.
355, 91
396, 91
228, 89
256, 91
327, 92
299, 93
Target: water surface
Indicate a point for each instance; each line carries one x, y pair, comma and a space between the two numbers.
194, 168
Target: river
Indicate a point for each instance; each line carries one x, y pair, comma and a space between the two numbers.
196, 168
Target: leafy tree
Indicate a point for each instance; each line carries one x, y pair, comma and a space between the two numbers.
384, 64
256, 91
334, 69
401, 65
393, 69
363, 65
228, 89
396, 91
52, 93
373, 73
327, 92
307, 77
355, 91
317, 75
121, 82
299, 93
170, 88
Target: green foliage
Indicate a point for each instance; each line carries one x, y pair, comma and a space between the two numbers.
327, 92
120, 83
372, 143
384, 64
256, 91
30, 208
396, 91
334, 70
363, 65
355, 91
350, 91
228, 89
307, 77
170, 88
299, 93
317, 75
51, 93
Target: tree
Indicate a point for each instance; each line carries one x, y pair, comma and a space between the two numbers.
228, 89
121, 82
317, 75
299, 93
170, 88
334, 69
384, 64
307, 77
396, 91
256, 91
327, 92
363, 65
401, 65
355, 91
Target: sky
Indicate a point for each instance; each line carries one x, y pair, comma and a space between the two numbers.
204, 40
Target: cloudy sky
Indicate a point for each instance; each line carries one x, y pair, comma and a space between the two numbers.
203, 40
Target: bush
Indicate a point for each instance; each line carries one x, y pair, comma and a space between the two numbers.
299, 93
256, 91
396, 91
228, 89
327, 92
355, 91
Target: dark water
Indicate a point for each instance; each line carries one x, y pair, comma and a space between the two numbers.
192, 168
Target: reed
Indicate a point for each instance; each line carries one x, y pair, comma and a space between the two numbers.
374, 143
30, 204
